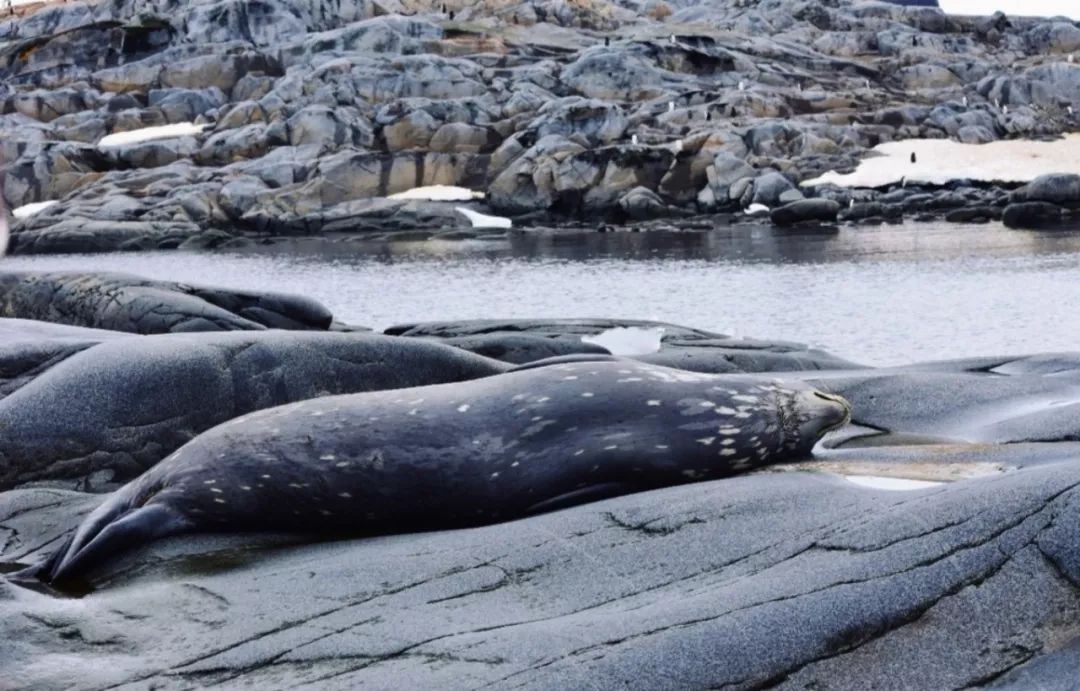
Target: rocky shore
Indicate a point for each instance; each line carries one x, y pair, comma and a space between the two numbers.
800, 574
201, 124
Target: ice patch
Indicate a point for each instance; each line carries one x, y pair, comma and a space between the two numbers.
27, 210
480, 220
183, 129
940, 161
889, 483
1030, 8
439, 193
628, 340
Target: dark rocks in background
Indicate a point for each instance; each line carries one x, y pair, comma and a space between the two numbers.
315, 111
1032, 215
805, 211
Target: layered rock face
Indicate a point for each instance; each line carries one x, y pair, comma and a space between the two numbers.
305, 116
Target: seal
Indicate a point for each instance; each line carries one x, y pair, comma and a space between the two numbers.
539, 437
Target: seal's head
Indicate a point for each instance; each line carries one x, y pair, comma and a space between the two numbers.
807, 415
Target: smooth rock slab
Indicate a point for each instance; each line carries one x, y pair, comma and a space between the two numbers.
681, 346
28, 348
981, 400
124, 302
109, 412
781, 579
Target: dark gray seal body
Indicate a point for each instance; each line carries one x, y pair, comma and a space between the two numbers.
459, 454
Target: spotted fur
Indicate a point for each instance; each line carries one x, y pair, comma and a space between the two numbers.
459, 454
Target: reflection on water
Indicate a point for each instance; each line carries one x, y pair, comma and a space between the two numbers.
878, 295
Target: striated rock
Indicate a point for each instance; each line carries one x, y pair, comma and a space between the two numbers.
820, 588
682, 347
334, 103
114, 409
122, 302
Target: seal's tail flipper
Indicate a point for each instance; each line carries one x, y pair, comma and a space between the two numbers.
107, 534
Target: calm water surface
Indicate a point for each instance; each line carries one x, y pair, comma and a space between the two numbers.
883, 295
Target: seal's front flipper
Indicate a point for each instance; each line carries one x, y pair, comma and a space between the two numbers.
584, 495
565, 359
131, 529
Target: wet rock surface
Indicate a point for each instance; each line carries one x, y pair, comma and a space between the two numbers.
124, 302
789, 577
305, 117
805, 578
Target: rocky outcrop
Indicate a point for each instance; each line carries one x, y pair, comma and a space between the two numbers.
90, 415
808, 579
805, 211
520, 341
122, 302
1046, 201
308, 115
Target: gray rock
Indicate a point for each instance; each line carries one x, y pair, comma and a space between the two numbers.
805, 577
641, 203
1056, 188
1032, 215
121, 405
122, 302
767, 189
681, 347
519, 349
804, 211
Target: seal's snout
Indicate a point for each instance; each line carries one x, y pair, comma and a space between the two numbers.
822, 413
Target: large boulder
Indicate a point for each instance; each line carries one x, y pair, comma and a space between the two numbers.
1056, 188
28, 348
104, 413
123, 302
1032, 215
805, 211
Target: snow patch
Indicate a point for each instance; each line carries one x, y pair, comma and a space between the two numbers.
940, 161
628, 340
182, 129
480, 220
28, 210
439, 193
896, 484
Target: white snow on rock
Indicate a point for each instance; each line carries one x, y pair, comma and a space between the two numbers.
439, 193
628, 340
897, 484
939, 161
480, 220
181, 129
27, 210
